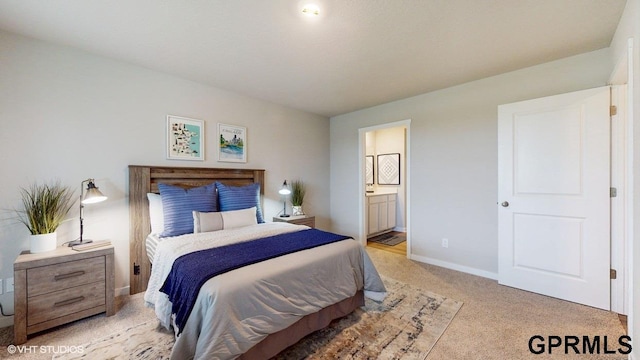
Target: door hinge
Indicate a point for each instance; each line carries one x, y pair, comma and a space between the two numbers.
613, 110
613, 274
613, 192
136, 269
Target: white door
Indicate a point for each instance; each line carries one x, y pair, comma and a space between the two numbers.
553, 196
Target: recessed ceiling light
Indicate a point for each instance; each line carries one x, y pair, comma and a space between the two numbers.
311, 10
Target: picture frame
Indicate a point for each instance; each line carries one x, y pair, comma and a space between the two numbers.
185, 138
389, 169
232, 143
369, 169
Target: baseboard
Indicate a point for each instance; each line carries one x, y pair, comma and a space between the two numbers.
400, 229
6, 321
456, 267
122, 291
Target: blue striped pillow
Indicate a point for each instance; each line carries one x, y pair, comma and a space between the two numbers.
178, 204
238, 198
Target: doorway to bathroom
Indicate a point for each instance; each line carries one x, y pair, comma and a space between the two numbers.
384, 179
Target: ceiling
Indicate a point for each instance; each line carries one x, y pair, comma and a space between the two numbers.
355, 54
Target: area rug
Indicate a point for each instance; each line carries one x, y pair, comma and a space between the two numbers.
145, 341
390, 239
406, 325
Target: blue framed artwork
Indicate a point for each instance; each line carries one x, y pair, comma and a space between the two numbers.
185, 139
232, 143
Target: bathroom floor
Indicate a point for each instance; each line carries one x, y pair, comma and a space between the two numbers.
401, 248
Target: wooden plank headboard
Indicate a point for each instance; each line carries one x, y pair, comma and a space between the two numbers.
145, 179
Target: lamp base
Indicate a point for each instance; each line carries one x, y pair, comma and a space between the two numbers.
79, 242
285, 215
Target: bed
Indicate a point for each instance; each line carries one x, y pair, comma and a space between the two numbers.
254, 311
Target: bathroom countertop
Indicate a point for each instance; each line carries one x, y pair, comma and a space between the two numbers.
382, 192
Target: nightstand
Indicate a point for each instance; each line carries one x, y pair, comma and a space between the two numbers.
60, 286
298, 220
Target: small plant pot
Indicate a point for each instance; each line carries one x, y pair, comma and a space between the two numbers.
43, 243
297, 211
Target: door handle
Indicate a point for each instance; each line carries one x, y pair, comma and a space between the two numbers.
69, 275
505, 204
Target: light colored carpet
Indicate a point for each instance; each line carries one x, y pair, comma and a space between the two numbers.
129, 310
496, 322
405, 326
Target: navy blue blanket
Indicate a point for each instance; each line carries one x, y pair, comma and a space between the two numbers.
189, 272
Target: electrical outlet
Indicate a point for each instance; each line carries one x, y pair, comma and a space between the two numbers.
10, 285
445, 243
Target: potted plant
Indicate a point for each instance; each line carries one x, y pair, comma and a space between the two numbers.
45, 208
297, 197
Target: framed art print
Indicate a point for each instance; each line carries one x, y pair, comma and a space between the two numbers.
369, 170
232, 143
185, 140
389, 169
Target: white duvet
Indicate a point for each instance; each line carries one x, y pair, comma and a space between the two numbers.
236, 310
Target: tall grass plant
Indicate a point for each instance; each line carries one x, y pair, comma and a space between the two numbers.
298, 190
45, 206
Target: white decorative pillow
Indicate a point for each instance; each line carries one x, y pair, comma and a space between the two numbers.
239, 218
206, 221
156, 213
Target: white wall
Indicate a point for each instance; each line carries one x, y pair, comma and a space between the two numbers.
70, 115
454, 156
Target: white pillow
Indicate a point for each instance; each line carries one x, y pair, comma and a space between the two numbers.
156, 213
206, 221
239, 218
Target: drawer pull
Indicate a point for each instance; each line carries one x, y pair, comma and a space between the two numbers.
69, 275
69, 302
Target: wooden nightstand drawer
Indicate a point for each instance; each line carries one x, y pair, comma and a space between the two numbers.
64, 302
309, 221
298, 220
45, 279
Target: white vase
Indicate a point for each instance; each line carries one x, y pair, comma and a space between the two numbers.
43, 242
296, 211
